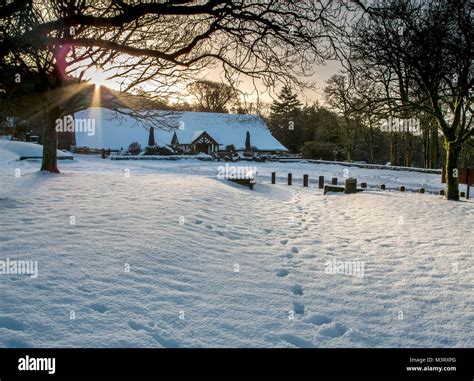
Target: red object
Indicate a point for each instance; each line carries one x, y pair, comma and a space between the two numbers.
464, 175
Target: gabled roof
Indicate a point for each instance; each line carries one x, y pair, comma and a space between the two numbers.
203, 137
115, 130
196, 135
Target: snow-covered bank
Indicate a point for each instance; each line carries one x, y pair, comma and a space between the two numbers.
374, 177
15, 150
164, 254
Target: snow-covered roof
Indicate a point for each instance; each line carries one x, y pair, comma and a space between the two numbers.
114, 130
196, 135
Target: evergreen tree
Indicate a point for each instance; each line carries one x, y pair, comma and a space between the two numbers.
248, 147
151, 138
283, 121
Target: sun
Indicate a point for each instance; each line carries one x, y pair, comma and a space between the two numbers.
99, 78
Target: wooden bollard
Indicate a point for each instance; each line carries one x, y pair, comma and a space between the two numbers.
402, 189
290, 177
321, 182
382, 187
305, 180
273, 177
441, 192
363, 185
421, 190
103, 153
334, 181
463, 194
350, 185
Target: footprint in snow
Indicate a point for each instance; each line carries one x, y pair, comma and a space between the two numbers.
229, 235
297, 290
267, 230
318, 320
98, 307
297, 341
333, 331
295, 250
209, 227
284, 241
42, 287
198, 222
233, 236
137, 326
282, 273
11, 324
298, 308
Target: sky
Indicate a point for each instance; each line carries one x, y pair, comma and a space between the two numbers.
321, 73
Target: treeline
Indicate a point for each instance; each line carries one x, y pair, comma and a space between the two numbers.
320, 132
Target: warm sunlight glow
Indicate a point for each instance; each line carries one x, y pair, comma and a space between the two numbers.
99, 78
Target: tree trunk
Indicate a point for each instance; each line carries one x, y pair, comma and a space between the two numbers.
50, 141
434, 147
393, 149
452, 182
371, 148
408, 145
427, 147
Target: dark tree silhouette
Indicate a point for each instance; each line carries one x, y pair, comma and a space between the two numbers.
248, 146
283, 119
151, 137
162, 43
420, 54
213, 96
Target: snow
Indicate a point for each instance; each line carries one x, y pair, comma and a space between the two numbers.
214, 264
114, 130
13, 150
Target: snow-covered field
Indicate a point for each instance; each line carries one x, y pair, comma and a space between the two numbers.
164, 254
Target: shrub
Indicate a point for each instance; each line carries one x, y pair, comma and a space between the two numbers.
159, 150
319, 150
152, 150
134, 148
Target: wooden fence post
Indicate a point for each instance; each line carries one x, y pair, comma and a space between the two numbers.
305, 180
321, 182
350, 185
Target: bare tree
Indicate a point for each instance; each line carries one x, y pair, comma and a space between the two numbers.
420, 52
213, 96
340, 96
160, 44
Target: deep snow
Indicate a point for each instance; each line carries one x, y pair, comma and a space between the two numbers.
215, 264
